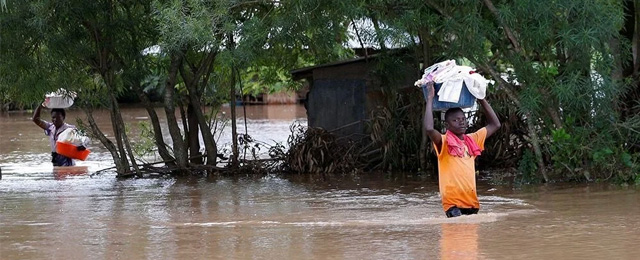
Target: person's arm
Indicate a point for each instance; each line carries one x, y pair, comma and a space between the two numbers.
36, 118
493, 122
433, 134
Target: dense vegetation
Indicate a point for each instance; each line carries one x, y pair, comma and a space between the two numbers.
565, 72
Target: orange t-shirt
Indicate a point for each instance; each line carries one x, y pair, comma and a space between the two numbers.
458, 175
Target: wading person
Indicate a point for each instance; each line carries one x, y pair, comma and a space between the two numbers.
53, 130
456, 152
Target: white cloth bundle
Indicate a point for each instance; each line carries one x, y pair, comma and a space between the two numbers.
452, 83
74, 137
452, 78
436, 69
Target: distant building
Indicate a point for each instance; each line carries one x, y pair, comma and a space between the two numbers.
342, 94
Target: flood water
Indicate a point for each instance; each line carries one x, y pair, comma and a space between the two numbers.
44, 215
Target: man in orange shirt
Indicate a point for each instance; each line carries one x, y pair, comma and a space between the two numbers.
456, 152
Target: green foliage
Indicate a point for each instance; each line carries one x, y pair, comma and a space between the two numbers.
567, 153
599, 157
144, 144
617, 164
52, 44
528, 168
197, 24
556, 59
559, 65
265, 80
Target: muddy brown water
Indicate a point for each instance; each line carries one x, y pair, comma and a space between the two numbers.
44, 215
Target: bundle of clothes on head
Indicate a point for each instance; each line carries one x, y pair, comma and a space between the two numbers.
453, 77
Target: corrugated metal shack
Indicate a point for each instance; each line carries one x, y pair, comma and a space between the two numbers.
342, 94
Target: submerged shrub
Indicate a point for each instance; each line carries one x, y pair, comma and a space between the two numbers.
317, 151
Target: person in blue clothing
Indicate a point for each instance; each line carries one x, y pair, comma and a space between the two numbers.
53, 130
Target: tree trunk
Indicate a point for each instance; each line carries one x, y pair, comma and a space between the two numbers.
551, 108
120, 168
118, 127
423, 35
179, 148
194, 140
209, 143
425, 47
631, 31
616, 72
155, 123
123, 135
535, 143
232, 98
191, 82
234, 124
635, 39
185, 125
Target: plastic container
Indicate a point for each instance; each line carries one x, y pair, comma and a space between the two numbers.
58, 102
59, 99
71, 151
466, 98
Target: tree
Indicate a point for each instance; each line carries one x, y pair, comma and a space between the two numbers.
552, 61
84, 47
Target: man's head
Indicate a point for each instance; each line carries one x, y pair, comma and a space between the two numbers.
57, 116
455, 121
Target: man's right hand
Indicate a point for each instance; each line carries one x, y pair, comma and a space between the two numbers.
430, 90
46, 101
36, 118
433, 134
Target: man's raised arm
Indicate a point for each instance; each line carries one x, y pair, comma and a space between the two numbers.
36, 118
493, 122
433, 134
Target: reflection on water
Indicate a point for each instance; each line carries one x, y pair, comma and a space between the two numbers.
44, 215
459, 241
